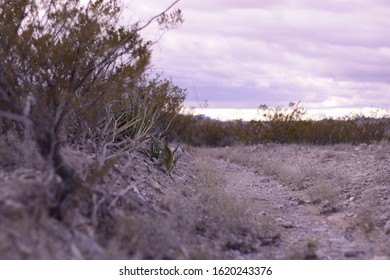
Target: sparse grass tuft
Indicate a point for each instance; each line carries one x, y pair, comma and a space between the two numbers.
325, 194
228, 218
305, 249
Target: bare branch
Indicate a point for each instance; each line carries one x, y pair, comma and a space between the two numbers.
111, 55
16, 117
155, 17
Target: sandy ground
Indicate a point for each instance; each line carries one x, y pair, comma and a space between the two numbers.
329, 202
259, 202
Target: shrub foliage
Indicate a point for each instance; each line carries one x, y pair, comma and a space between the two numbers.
281, 125
70, 73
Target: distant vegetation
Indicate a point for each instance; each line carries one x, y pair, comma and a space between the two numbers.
281, 125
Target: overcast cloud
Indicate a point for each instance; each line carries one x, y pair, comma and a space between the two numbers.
243, 53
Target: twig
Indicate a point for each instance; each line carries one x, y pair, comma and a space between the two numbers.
156, 16
111, 55
121, 194
16, 117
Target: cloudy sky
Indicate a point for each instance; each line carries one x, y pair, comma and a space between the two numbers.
242, 53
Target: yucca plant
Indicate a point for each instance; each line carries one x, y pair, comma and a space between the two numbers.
129, 122
137, 121
154, 148
169, 158
160, 150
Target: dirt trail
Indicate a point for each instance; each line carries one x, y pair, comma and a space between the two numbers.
304, 231
294, 202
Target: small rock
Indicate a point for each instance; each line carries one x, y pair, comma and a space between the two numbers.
262, 213
327, 207
352, 198
117, 168
387, 227
384, 217
264, 180
321, 229
135, 189
363, 146
76, 252
352, 254
156, 185
284, 223
348, 235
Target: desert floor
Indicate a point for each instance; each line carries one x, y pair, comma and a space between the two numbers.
258, 202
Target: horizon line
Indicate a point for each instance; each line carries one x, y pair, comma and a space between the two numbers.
230, 114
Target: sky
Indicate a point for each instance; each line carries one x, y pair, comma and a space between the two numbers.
332, 55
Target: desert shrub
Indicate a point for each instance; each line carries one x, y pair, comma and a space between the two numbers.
164, 96
203, 131
281, 125
354, 130
70, 73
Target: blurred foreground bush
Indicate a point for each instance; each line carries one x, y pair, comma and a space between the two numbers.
70, 74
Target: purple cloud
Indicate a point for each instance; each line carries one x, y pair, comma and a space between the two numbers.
240, 54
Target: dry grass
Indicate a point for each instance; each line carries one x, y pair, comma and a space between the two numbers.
338, 178
372, 215
15, 153
198, 220
321, 191
190, 215
305, 249
229, 222
184, 216
293, 166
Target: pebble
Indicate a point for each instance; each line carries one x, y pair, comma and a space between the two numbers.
262, 213
284, 223
264, 180
348, 235
326, 207
336, 242
384, 217
352, 254
323, 228
363, 146
156, 186
387, 227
